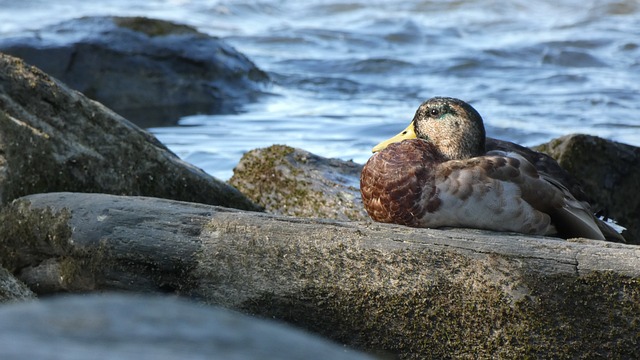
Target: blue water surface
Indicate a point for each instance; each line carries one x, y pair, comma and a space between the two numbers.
348, 74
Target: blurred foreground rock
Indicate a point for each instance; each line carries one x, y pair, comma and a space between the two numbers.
417, 293
55, 139
144, 327
609, 172
295, 182
12, 289
150, 71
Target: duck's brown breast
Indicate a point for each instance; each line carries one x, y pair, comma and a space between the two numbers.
397, 184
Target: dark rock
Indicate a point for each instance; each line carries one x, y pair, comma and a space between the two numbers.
415, 293
55, 139
12, 289
609, 172
150, 71
296, 182
130, 327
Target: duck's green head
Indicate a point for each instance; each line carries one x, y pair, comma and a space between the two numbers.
454, 126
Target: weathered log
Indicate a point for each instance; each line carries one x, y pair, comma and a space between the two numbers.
144, 327
417, 293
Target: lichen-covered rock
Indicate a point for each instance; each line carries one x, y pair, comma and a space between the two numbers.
12, 289
150, 71
295, 182
55, 139
128, 327
609, 172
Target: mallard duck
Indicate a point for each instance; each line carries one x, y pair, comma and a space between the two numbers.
442, 171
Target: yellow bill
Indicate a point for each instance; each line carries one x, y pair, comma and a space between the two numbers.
408, 133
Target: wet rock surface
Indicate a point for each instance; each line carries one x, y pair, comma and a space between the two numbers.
55, 139
150, 71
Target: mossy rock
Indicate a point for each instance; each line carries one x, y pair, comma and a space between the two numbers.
295, 182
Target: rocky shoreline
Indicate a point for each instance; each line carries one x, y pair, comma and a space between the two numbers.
93, 204
184, 71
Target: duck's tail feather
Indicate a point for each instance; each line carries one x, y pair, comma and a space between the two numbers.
571, 221
609, 232
575, 219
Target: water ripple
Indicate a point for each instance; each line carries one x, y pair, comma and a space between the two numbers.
349, 74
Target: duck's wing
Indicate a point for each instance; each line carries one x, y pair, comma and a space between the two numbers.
580, 207
571, 217
549, 169
486, 192
575, 217
543, 164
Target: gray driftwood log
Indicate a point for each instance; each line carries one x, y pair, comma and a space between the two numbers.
417, 293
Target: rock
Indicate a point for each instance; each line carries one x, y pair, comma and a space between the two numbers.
150, 71
143, 327
296, 182
415, 293
55, 139
610, 174
12, 289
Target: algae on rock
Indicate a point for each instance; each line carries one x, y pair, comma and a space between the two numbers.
295, 182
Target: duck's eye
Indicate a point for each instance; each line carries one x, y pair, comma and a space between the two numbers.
434, 112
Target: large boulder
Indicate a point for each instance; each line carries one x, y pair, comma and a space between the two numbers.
609, 172
145, 327
415, 293
150, 71
291, 181
12, 289
55, 139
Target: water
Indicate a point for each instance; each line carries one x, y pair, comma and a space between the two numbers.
348, 74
